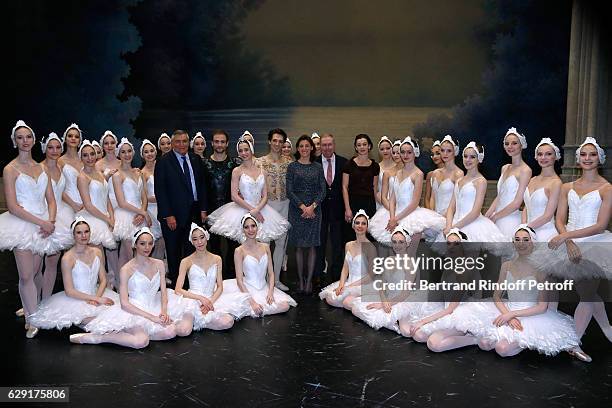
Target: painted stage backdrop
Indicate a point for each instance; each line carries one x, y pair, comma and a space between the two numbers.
471, 69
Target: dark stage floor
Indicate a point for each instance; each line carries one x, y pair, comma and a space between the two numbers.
313, 356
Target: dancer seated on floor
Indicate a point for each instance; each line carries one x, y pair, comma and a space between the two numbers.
391, 302
253, 262
211, 307
440, 317
356, 269
85, 295
523, 320
147, 310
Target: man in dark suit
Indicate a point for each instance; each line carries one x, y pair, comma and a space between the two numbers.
332, 209
181, 198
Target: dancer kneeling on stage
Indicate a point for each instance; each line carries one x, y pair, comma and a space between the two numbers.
253, 262
211, 307
147, 311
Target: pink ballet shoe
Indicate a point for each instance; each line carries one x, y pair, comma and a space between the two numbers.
76, 338
31, 332
20, 313
580, 354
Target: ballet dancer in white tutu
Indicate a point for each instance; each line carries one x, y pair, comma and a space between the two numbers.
71, 167
385, 151
443, 179
464, 209
211, 307
542, 193
131, 213
404, 201
148, 153
504, 210
84, 279
249, 195
28, 227
523, 320
437, 161
255, 275
393, 302
356, 269
581, 251
434, 322
98, 149
146, 311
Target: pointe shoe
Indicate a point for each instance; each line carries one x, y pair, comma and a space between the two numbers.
31, 332
20, 313
281, 286
580, 355
76, 338
284, 268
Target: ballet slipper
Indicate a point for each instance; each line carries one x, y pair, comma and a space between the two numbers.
76, 338
580, 354
281, 286
20, 313
31, 332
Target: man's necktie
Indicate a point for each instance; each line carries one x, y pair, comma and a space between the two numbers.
329, 177
186, 173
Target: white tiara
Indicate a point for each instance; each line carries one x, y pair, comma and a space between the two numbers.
143, 230
247, 141
160, 138
415, 147
385, 139
248, 216
547, 141
405, 233
200, 135
479, 155
108, 133
360, 212
528, 229
83, 144
19, 124
45, 142
124, 141
72, 126
600, 152
522, 138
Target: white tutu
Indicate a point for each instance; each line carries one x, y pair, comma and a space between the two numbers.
508, 224
230, 287
100, 233
155, 225
235, 304
330, 291
595, 263
16, 233
61, 311
356, 271
548, 333
420, 220
124, 227
225, 221
449, 321
114, 318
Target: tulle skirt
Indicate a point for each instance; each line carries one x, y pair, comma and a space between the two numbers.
329, 292
546, 232
235, 304
595, 262
155, 225
230, 287
16, 233
124, 224
100, 233
115, 319
507, 225
548, 333
61, 311
225, 221
420, 220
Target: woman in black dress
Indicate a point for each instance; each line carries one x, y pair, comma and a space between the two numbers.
359, 181
305, 190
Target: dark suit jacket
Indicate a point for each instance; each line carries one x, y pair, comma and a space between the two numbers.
333, 205
173, 194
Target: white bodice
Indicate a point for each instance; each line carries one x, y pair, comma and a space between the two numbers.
381, 175
465, 197
30, 192
151, 186
506, 191
58, 188
111, 189
250, 189
142, 290
85, 277
535, 203
132, 191
521, 297
583, 211
98, 194
71, 175
200, 282
255, 270
356, 267
443, 192
403, 191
